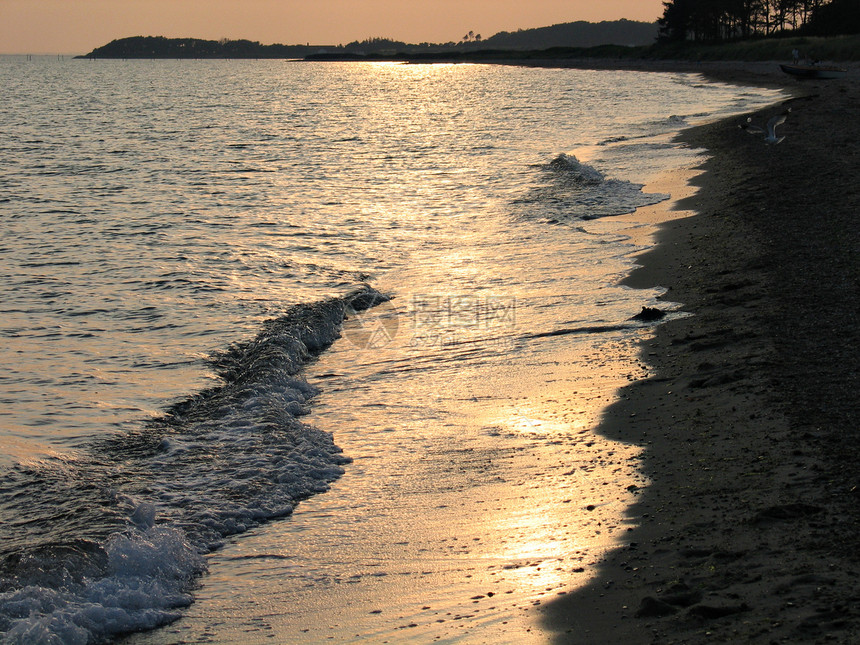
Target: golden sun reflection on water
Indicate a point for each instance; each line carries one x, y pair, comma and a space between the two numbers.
460, 516
479, 488
526, 418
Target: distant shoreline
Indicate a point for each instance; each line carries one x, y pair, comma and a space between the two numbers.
834, 48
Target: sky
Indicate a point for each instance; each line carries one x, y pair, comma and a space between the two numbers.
79, 26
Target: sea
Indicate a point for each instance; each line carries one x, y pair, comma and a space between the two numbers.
318, 351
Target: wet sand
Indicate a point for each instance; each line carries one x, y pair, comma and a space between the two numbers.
749, 420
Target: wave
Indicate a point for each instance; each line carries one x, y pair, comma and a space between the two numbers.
116, 540
572, 169
570, 191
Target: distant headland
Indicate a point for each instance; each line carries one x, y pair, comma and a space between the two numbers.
580, 34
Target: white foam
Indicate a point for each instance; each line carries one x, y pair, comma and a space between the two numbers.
571, 190
229, 459
149, 576
577, 170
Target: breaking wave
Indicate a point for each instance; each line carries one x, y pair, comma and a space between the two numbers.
568, 191
154, 502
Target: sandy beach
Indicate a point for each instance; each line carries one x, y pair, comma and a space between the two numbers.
749, 420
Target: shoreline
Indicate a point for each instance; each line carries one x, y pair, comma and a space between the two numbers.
746, 532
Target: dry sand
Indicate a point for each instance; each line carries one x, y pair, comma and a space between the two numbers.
749, 529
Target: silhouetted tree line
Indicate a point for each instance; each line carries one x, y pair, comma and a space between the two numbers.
715, 20
574, 34
161, 47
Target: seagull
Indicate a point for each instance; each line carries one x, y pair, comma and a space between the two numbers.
770, 132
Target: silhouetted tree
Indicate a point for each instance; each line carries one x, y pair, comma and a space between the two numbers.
677, 20
836, 17
714, 20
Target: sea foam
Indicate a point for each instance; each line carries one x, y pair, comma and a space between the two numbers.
568, 190
216, 464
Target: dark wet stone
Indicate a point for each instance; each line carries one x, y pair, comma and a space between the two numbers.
649, 313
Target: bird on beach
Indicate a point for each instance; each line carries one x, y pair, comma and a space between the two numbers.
770, 130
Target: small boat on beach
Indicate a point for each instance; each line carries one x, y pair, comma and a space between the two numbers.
814, 71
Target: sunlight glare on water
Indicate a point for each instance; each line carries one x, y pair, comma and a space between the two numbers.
161, 220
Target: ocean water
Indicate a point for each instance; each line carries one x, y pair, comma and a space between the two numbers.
230, 286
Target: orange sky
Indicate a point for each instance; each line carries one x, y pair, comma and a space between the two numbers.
78, 26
